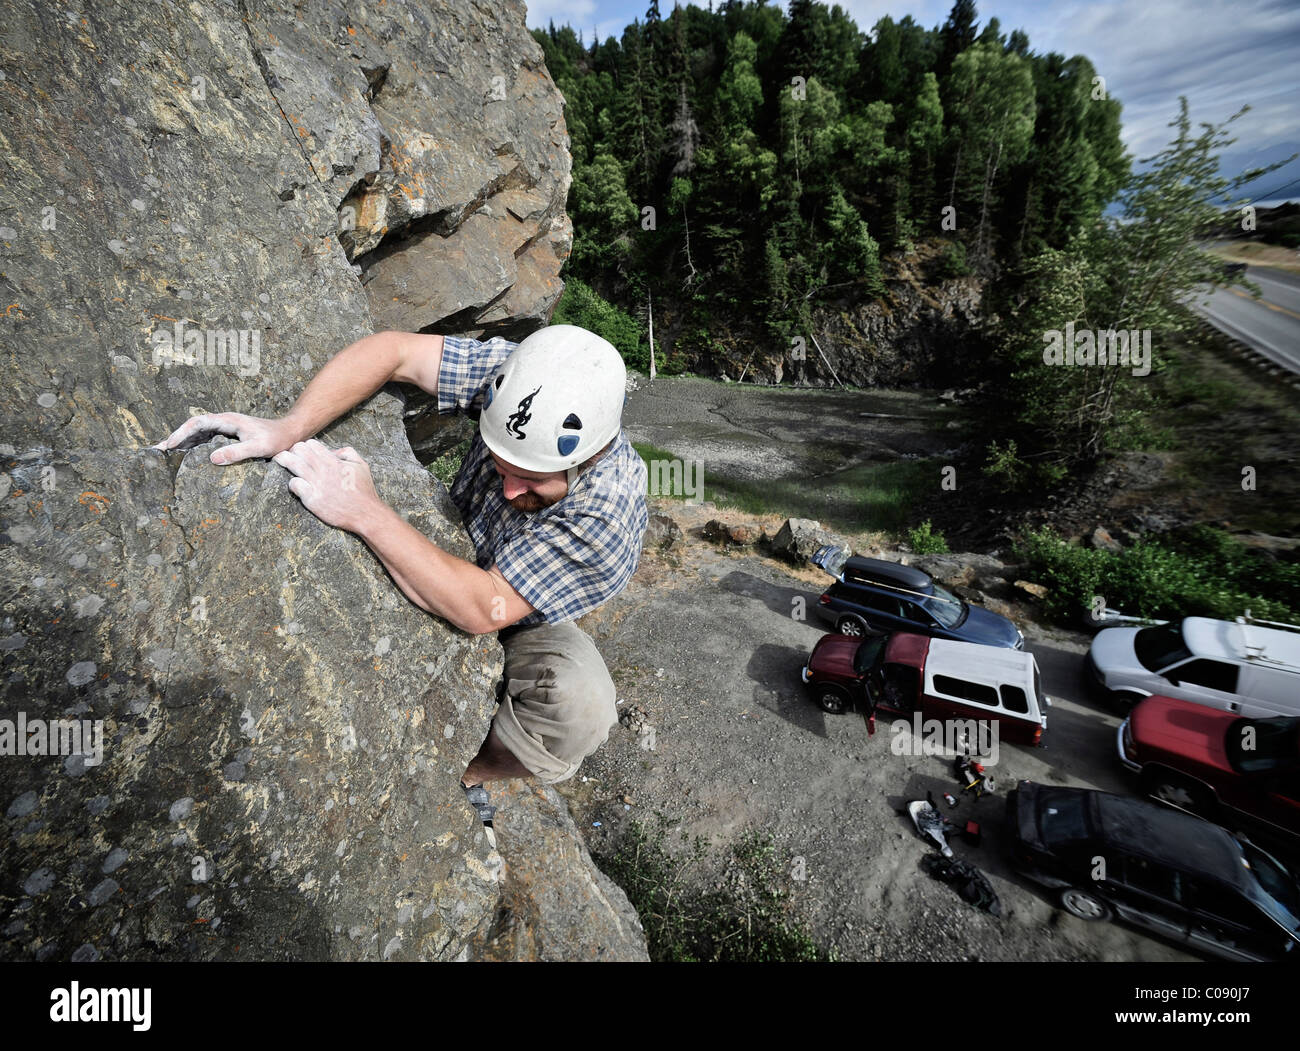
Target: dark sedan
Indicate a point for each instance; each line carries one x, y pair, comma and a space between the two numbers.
1178, 876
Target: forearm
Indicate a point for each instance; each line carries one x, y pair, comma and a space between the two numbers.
346, 380
436, 581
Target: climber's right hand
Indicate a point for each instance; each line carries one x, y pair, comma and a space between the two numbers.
258, 437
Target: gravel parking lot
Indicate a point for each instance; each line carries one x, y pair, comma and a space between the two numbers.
705, 640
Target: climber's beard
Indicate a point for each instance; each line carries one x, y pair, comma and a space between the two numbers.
530, 502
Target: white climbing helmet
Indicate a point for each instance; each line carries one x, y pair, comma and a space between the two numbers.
556, 401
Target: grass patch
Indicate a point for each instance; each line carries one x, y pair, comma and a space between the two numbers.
747, 918
1216, 414
866, 497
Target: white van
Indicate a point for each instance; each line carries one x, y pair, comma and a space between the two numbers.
1237, 666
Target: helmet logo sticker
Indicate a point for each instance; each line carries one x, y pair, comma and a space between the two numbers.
521, 416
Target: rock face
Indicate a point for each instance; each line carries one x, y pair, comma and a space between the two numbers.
282, 731
903, 339
555, 905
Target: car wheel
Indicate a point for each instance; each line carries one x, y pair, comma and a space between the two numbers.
850, 626
1084, 904
832, 700
1124, 702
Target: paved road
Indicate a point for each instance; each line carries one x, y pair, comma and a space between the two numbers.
1271, 324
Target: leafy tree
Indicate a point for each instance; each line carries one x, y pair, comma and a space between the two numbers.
1130, 275
992, 120
768, 204
957, 34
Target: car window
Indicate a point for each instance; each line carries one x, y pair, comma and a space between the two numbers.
1214, 675
966, 690
913, 612
1061, 817
1014, 699
1159, 646
1283, 896
1223, 903
868, 654
902, 684
1258, 745
886, 604
1149, 876
945, 607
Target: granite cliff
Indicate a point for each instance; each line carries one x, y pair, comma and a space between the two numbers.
200, 203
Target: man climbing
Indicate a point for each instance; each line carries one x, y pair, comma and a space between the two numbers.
551, 492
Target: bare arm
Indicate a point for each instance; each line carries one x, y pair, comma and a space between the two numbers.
346, 380
475, 600
355, 373
335, 485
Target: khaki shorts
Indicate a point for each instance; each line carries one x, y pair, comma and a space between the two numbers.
557, 699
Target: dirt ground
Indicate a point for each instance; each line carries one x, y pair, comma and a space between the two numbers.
710, 643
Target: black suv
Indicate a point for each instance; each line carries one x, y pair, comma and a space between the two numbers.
873, 597
1173, 874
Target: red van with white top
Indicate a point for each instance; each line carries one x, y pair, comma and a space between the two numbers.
938, 678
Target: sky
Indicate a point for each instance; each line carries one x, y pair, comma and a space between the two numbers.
1221, 54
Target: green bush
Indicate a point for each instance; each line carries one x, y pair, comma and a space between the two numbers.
952, 261
924, 541
1012, 474
447, 466
747, 917
1195, 572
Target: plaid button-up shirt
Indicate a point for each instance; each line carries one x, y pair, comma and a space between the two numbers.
565, 559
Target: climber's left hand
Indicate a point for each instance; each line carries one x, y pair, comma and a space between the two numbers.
333, 484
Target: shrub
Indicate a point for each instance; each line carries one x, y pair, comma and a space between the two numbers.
952, 261
447, 466
924, 541
1199, 571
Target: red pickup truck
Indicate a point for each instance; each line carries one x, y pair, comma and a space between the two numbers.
936, 678
1213, 763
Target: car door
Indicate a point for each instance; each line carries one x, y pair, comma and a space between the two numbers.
1205, 681
902, 687
916, 619
1224, 923
1278, 800
880, 610
1148, 893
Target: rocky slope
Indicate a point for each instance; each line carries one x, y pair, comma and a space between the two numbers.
188, 195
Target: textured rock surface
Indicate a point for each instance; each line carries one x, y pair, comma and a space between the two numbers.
555, 905
661, 532
799, 538
282, 731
